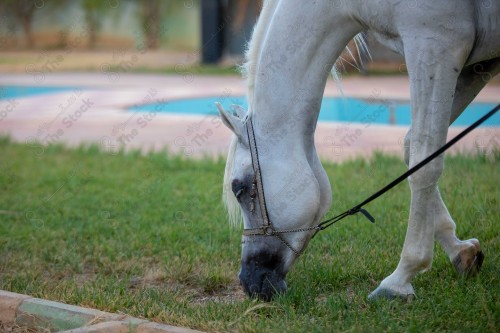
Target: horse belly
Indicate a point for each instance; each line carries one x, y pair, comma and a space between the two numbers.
487, 21
392, 42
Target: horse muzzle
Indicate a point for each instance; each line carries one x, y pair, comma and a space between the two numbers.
262, 273
262, 284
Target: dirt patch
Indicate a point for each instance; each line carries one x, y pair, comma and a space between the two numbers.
228, 293
233, 293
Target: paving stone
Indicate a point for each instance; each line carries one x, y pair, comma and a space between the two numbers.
9, 302
160, 328
56, 316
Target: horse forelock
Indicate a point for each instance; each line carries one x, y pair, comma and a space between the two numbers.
228, 198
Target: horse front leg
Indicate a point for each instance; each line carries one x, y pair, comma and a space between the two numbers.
433, 73
466, 255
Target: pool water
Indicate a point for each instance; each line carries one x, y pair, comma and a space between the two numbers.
332, 109
8, 92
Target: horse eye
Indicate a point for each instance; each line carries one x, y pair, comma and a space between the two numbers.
238, 188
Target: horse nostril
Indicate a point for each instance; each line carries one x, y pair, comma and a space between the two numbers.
253, 289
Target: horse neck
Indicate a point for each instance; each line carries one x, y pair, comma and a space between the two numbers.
296, 56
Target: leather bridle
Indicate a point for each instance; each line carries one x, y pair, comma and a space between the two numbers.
267, 228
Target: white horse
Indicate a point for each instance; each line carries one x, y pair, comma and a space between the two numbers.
448, 45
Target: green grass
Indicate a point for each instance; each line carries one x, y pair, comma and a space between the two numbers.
147, 235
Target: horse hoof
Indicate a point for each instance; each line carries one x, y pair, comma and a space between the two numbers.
389, 294
467, 263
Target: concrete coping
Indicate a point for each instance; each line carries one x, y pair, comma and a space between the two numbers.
26, 311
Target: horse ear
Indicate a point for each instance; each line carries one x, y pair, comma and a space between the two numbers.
240, 112
234, 123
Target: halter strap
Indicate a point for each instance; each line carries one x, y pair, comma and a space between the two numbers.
257, 174
267, 228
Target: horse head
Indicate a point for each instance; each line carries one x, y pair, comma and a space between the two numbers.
280, 200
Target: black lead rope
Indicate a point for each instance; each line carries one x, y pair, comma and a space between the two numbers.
359, 207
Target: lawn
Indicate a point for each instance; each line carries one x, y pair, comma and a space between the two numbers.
146, 235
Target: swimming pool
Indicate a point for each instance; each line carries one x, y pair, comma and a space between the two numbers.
7, 92
332, 109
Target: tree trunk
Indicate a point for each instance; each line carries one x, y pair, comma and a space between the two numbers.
28, 31
151, 22
24, 10
92, 27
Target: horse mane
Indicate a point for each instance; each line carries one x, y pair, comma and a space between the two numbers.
248, 70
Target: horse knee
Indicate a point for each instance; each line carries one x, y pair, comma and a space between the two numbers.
427, 175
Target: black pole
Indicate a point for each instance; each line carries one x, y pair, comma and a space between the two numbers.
211, 31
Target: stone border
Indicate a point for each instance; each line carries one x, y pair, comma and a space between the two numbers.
35, 313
